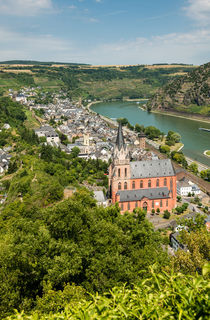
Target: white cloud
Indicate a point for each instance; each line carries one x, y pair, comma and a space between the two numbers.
199, 10
72, 7
14, 45
24, 7
171, 48
189, 47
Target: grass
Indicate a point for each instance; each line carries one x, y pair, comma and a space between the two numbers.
31, 122
202, 110
118, 88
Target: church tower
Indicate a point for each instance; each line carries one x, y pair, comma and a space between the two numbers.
119, 170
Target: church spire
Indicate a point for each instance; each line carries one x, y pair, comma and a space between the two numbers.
120, 139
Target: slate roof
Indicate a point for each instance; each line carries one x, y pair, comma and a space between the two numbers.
151, 169
139, 194
99, 196
120, 139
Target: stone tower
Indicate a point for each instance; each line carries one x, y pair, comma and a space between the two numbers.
142, 140
119, 170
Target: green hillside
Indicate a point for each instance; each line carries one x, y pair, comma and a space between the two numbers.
189, 93
90, 82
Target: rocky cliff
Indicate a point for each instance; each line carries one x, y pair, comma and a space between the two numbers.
189, 93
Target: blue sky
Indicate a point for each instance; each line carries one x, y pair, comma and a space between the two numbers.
106, 32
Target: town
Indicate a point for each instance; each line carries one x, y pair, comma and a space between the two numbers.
67, 125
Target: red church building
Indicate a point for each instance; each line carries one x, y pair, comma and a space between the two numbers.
149, 184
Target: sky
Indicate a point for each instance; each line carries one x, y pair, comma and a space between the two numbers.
106, 32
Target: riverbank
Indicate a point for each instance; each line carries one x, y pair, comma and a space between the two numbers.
207, 153
183, 115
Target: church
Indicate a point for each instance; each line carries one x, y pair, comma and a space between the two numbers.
149, 184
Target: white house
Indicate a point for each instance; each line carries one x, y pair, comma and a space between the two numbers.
184, 187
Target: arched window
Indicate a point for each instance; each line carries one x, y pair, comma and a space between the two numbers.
133, 185
165, 182
118, 172
125, 185
161, 203
157, 183
136, 204
149, 183
171, 187
121, 206
125, 172
128, 205
119, 186
141, 184
167, 203
153, 203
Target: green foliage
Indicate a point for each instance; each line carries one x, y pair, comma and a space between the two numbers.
152, 132
172, 138
72, 242
166, 214
193, 167
123, 121
181, 209
197, 254
205, 174
180, 158
164, 149
160, 296
11, 112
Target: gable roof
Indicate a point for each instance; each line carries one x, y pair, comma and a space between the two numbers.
139, 194
151, 169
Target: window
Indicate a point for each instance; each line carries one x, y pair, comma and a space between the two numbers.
141, 184
119, 186
165, 182
153, 203
121, 206
167, 203
157, 183
118, 172
125, 172
161, 203
136, 204
128, 205
149, 184
125, 186
133, 185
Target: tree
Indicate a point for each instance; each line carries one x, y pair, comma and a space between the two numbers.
164, 149
75, 152
193, 167
198, 252
166, 214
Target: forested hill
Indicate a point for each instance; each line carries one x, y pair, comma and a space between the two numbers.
91, 82
189, 93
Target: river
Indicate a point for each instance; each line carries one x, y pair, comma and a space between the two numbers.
195, 141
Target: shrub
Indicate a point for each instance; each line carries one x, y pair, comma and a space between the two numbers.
166, 214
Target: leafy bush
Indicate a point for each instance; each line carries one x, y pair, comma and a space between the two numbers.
166, 214
159, 296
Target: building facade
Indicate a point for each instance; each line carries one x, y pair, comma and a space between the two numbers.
149, 184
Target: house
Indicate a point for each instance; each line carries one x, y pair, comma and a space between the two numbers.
48, 132
184, 187
148, 184
175, 241
100, 198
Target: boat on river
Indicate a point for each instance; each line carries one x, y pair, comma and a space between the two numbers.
204, 129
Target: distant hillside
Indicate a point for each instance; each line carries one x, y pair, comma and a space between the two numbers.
90, 82
189, 93
34, 62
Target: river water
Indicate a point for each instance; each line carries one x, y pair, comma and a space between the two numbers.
195, 141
